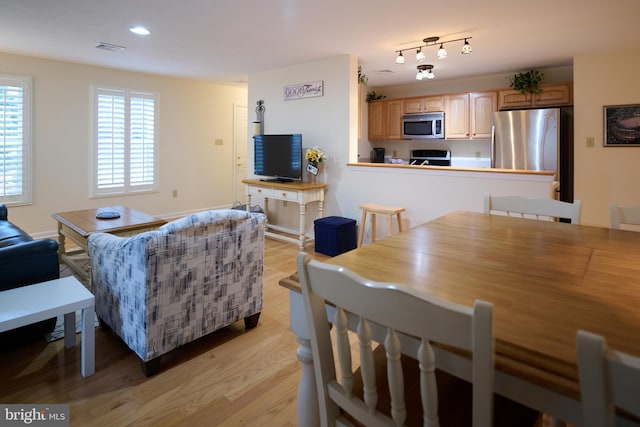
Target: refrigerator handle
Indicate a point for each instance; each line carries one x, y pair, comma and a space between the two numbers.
493, 146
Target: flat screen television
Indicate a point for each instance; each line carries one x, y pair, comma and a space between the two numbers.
278, 158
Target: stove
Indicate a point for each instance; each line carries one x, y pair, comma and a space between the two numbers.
430, 157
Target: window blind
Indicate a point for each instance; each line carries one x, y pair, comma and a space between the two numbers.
15, 144
125, 142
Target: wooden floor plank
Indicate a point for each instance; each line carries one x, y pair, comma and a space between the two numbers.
229, 378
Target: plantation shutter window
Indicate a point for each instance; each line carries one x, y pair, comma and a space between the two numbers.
125, 142
15, 140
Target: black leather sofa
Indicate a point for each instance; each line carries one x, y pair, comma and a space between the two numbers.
24, 261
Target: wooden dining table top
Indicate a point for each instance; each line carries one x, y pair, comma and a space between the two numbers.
545, 279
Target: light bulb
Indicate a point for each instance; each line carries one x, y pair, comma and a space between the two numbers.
419, 75
400, 58
429, 74
466, 49
442, 52
419, 55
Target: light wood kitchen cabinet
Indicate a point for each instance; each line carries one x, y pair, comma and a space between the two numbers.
377, 122
557, 94
456, 116
423, 104
385, 119
468, 115
509, 99
482, 107
394, 119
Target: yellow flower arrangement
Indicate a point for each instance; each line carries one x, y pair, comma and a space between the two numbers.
315, 155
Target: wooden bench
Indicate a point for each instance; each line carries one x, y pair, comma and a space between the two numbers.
33, 303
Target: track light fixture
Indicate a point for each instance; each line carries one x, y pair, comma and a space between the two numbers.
425, 72
432, 41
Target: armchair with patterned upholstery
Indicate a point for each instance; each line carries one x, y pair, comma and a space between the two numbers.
161, 289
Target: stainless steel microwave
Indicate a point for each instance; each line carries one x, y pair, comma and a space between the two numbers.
423, 126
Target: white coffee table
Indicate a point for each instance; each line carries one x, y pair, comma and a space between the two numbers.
33, 303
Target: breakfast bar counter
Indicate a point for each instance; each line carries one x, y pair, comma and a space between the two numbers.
418, 168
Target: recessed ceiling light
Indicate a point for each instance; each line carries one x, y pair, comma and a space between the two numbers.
141, 31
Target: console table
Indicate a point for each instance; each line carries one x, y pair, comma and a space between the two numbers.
301, 193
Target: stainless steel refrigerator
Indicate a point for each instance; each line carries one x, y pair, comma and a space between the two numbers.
537, 139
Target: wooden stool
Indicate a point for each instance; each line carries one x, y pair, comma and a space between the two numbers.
374, 209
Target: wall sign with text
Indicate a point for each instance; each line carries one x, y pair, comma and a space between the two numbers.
303, 90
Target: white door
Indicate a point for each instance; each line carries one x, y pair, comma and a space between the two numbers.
240, 152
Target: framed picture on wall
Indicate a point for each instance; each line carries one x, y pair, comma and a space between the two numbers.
622, 125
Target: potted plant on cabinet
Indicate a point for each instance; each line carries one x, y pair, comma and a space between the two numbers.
373, 96
527, 82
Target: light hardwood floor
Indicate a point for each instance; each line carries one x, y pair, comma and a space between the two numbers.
232, 377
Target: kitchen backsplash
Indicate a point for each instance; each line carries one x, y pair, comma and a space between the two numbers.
462, 149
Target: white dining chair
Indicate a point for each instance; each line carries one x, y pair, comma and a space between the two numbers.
392, 314
533, 208
629, 215
608, 379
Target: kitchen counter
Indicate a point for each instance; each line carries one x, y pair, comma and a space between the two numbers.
453, 168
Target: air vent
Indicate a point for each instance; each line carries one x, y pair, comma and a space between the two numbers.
385, 71
110, 47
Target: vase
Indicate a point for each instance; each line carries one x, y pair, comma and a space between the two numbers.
315, 178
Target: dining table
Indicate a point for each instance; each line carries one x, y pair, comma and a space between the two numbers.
546, 280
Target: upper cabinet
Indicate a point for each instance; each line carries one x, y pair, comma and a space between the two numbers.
553, 94
394, 118
468, 115
385, 119
377, 120
482, 107
456, 116
424, 104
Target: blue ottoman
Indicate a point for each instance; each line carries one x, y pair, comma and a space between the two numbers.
335, 235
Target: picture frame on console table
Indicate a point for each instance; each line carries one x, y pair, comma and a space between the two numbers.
622, 125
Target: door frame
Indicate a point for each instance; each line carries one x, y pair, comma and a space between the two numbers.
240, 136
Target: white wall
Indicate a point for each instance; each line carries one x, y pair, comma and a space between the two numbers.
604, 174
439, 86
192, 115
329, 121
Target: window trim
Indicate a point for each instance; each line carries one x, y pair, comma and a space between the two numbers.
26, 197
126, 189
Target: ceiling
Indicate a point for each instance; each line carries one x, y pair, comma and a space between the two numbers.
226, 40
